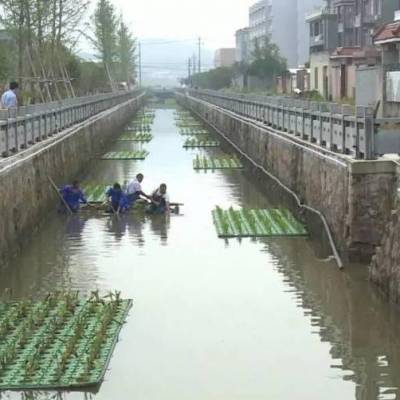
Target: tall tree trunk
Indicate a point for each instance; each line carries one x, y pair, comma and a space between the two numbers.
20, 40
60, 22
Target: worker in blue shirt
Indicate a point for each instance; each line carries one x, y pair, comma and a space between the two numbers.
9, 97
73, 196
117, 199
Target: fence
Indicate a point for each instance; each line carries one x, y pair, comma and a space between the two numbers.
24, 126
339, 128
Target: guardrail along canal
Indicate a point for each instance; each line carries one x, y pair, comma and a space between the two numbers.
259, 319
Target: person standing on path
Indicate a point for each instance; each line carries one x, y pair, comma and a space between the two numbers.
9, 97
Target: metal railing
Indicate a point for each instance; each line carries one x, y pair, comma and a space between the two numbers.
339, 128
24, 126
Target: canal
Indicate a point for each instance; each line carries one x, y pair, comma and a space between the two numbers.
213, 319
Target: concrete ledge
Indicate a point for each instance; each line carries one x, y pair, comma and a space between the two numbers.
373, 167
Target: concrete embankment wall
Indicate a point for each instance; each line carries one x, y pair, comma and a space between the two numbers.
354, 196
385, 266
25, 192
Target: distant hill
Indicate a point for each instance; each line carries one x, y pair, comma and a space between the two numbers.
164, 64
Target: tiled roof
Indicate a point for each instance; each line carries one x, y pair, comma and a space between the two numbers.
388, 33
355, 52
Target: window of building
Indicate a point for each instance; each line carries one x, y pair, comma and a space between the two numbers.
316, 29
316, 78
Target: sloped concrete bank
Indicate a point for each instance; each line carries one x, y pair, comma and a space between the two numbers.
25, 191
355, 197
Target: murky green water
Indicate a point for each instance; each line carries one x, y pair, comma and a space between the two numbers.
261, 319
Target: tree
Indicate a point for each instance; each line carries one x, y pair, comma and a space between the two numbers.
44, 33
105, 32
216, 79
126, 53
267, 61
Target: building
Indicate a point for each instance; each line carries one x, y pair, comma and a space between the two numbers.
304, 9
357, 21
284, 22
323, 29
224, 57
242, 52
260, 20
386, 91
272, 18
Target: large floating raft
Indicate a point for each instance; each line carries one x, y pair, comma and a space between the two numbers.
138, 128
136, 137
126, 155
200, 142
193, 132
256, 223
59, 343
204, 163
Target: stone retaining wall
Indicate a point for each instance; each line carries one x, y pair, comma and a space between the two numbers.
385, 266
25, 192
354, 196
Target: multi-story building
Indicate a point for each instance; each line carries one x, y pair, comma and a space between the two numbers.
260, 20
224, 57
304, 8
242, 54
357, 21
322, 41
284, 22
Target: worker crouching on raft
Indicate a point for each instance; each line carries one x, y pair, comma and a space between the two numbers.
73, 197
117, 199
134, 190
159, 201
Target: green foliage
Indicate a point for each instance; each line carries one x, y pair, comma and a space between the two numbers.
126, 49
105, 30
215, 79
256, 223
7, 62
59, 342
38, 37
267, 61
114, 43
91, 76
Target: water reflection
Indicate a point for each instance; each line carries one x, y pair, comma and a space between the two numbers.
159, 225
346, 312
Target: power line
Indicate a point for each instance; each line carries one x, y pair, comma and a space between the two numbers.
166, 42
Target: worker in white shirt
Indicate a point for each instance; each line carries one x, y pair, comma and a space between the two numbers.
160, 203
9, 97
134, 190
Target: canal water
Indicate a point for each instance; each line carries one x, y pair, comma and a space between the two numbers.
213, 319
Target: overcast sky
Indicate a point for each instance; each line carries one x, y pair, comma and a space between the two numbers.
214, 20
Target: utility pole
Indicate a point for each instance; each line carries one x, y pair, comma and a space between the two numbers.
194, 64
189, 70
140, 64
199, 57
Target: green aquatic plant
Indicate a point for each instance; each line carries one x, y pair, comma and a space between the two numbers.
256, 223
50, 337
